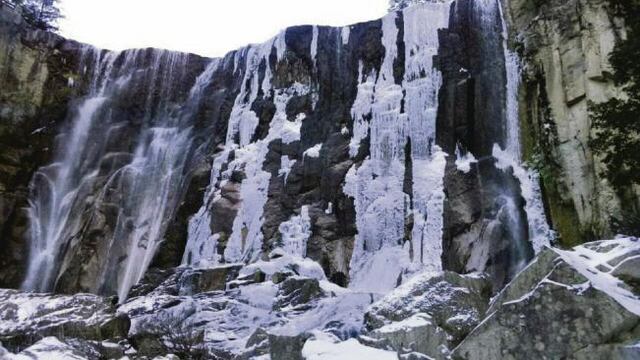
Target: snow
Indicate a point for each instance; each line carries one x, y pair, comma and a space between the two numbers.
464, 161
416, 320
347, 350
21, 311
378, 271
589, 259
285, 167
329, 209
342, 313
361, 108
428, 201
346, 31
540, 234
285, 261
291, 130
49, 348
200, 251
313, 152
245, 240
422, 83
377, 185
314, 45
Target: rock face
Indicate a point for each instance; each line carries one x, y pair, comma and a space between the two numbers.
565, 47
274, 145
485, 224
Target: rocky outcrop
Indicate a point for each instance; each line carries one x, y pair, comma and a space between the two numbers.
26, 318
564, 47
565, 304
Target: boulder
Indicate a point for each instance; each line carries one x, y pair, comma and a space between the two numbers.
561, 304
297, 292
429, 314
50, 348
287, 347
417, 334
205, 280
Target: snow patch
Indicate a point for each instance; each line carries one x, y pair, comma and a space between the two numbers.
464, 160
350, 349
590, 259
313, 152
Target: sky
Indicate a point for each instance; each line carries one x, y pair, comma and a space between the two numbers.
205, 27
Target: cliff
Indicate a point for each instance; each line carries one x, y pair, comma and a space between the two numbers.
565, 48
389, 187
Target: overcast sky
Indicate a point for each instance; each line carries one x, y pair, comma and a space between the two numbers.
205, 27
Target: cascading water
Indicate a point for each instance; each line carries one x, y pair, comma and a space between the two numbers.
540, 234
54, 188
94, 174
123, 196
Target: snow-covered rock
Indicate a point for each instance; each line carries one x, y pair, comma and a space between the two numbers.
418, 334
430, 314
26, 318
563, 303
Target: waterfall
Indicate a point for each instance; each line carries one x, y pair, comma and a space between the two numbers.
120, 191
54, 188
540, 234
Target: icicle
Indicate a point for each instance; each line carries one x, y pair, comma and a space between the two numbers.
285, 168
422, 83
346, 32
296, 232
377, 184
245, 242
314, 45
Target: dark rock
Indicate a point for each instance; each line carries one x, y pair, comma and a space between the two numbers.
297, 292
287, 347
30, 317
199, 281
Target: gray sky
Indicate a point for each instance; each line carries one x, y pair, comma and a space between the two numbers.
206, 27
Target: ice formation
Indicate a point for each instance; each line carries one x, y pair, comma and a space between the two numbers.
377, 184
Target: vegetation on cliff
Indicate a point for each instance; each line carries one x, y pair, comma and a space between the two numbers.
43, 14
617, 121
